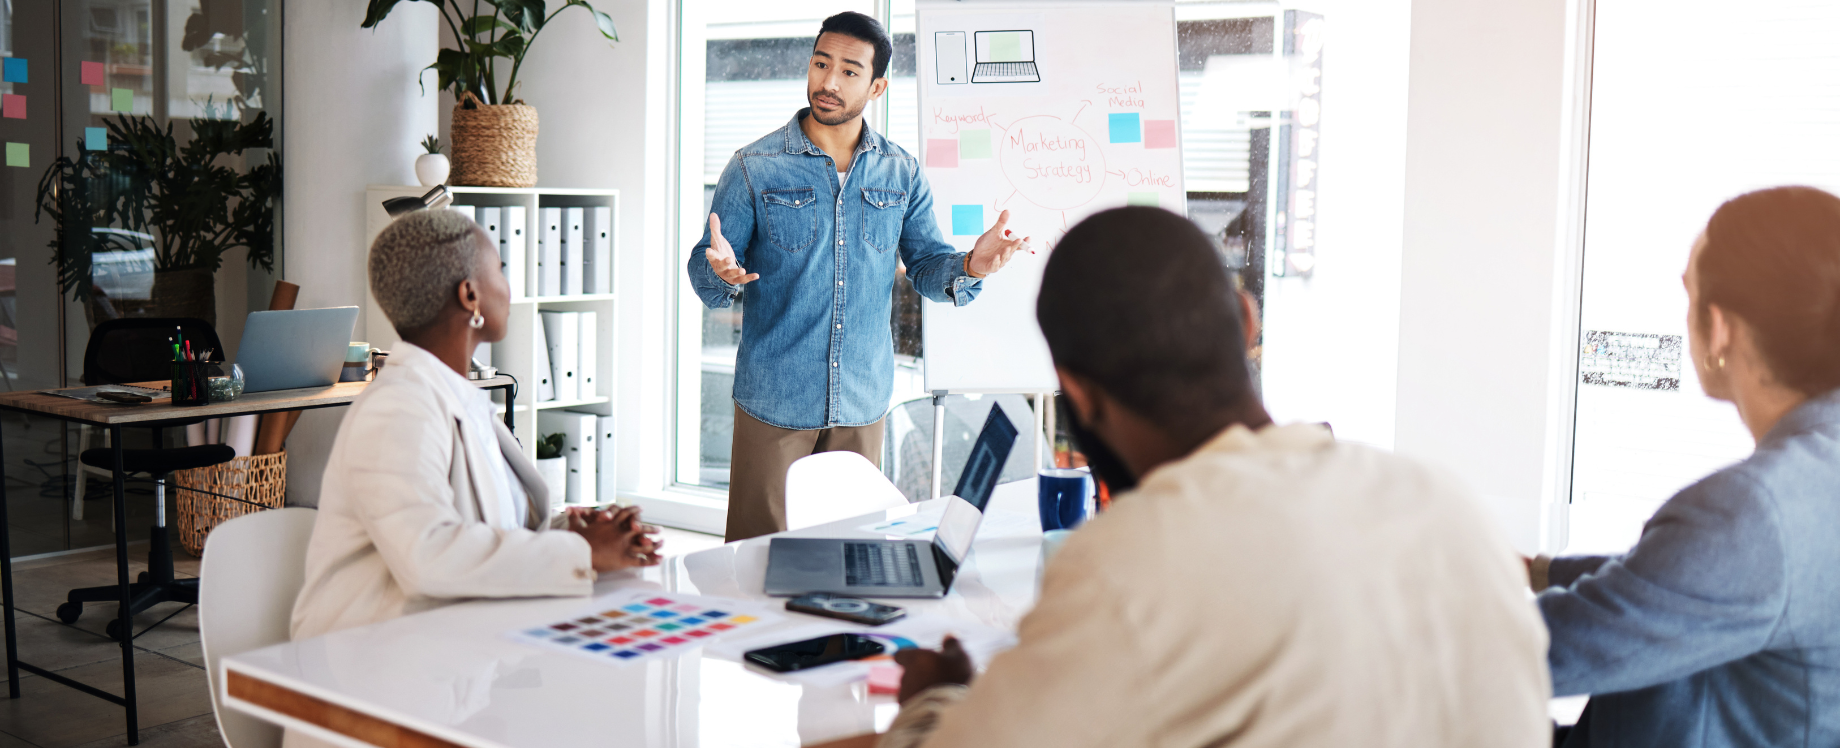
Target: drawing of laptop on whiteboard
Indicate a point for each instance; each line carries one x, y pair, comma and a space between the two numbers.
1005, 57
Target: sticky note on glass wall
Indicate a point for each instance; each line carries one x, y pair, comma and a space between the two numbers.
967, 220
974, 144
122, 100
1006, 46
95, 138
1159, 133
19, 154
13, 106
93, 73
941, 153
15, 70
1142, 198
1125, 128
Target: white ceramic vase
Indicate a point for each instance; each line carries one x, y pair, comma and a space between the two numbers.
555, 474
431, 169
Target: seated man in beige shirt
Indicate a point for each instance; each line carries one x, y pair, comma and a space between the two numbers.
1252, 584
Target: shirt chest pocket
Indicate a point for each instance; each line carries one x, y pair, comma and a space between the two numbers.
792, 217
882, 217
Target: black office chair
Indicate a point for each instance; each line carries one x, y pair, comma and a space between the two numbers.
139, 349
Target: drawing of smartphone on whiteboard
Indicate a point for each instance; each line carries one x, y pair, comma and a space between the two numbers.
949, 57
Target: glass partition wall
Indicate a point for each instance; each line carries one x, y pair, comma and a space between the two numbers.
81, 76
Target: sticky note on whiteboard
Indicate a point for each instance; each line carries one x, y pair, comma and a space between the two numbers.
1125, 128
1142, 198
967, 220
122, 100
1006, 46
95, 138
13, 106
19, 154
941, 153
92, 74
15, 70
974, 144
1159, 133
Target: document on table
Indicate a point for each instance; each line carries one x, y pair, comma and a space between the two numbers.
89, 393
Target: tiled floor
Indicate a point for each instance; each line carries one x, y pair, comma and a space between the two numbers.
175, 703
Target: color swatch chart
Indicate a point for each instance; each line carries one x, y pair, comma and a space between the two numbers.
646, 624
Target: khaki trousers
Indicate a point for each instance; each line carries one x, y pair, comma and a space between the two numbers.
761, 456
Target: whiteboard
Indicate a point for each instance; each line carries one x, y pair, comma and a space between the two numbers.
1052, 112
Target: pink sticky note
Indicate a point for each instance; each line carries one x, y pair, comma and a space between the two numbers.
1159, 133
14, 106
92, 74
942, 154
885, 679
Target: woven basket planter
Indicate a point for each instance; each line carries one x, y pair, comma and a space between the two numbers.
261, 479
494, 145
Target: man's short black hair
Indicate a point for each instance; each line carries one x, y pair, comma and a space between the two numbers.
861, 28
1138, 300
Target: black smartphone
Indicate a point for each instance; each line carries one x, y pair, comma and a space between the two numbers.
847, 608
824, 650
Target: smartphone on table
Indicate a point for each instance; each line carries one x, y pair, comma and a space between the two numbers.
824, 650
851, 609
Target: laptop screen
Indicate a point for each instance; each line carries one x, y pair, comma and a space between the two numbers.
975, 485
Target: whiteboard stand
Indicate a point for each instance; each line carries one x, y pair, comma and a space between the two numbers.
1043, 401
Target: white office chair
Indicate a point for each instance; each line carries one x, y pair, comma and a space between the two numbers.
253, 568
830, 486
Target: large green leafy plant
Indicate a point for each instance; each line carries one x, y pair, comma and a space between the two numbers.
496, 30
188, 198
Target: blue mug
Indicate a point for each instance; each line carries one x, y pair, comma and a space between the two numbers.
1062, 496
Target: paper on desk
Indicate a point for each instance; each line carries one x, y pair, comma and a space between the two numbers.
917, 630
89, 393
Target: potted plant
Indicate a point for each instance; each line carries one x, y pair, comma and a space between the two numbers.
431, 167
493, 135
181, 206
552, 466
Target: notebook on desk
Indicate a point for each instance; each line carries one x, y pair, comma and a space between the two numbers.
899, 568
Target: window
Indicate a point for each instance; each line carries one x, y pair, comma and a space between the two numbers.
1692, 103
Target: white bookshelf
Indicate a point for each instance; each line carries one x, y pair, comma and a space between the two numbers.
516, 354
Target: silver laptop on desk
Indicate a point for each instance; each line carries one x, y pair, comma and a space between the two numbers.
899, 568
296, 348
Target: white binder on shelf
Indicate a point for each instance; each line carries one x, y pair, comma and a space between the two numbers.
511, 249
549, 251
605, 456
546, 382
563, 331
597, 256
488, 220
572, 246
587, 365
578, 446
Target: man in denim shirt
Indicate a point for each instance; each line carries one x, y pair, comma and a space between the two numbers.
822, 210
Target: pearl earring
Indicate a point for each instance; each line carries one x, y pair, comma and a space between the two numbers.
478, 320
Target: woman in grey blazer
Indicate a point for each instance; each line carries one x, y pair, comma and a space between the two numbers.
1721, 627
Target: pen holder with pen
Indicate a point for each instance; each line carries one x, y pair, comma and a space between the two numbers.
191, 383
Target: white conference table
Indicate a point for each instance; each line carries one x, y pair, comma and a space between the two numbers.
453, 676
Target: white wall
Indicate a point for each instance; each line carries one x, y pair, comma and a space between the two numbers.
353, 116
1484, 274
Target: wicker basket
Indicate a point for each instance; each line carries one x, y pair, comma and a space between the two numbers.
261, 479
494, 145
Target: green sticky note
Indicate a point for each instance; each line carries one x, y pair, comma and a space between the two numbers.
19, 154
1006, 47
1142, 198
121, 100
973, 144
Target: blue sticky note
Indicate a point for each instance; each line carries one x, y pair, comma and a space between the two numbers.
15, 70
1126, 128
95, 138
967, 220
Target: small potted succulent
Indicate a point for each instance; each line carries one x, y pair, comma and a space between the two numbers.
431, 167
552, 466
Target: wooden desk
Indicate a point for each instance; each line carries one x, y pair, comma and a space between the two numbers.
454, 677
154, 415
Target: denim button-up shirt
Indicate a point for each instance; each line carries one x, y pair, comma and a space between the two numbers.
816, 348
1721, 628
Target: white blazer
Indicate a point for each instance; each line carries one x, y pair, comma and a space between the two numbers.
408, 511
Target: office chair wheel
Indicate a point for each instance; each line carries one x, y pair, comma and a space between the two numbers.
114, 629
70, 612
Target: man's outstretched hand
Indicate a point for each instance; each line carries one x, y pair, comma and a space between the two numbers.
993, 249
722, 256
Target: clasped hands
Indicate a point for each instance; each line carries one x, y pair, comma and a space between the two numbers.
991, 252
616, 537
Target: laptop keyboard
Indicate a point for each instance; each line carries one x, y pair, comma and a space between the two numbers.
881, 565
1004, 70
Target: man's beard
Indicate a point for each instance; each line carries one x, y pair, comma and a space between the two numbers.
841, 117
1105, 464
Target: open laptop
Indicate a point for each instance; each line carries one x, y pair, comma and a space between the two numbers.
1005, 57
296, 348
899, 568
